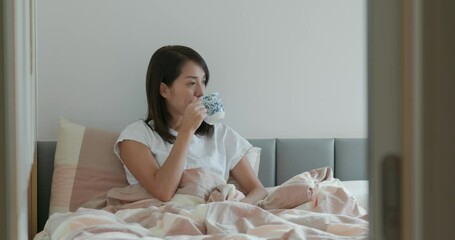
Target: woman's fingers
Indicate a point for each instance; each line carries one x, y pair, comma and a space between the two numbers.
198, 106
194, 114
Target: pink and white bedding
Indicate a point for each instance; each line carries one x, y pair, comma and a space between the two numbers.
311, 205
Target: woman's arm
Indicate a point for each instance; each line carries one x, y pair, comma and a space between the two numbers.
245, 175
162, 182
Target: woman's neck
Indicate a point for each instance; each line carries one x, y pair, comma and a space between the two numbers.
175, 123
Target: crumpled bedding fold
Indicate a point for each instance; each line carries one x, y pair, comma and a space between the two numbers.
311, 205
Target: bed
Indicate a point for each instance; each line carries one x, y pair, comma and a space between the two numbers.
336, 168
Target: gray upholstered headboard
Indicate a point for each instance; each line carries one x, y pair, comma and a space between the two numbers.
280, 160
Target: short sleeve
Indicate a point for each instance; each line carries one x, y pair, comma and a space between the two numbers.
236, 147
136, 131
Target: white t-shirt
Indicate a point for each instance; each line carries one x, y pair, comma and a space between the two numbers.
219, 153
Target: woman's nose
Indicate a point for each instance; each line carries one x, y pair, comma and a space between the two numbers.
200, 90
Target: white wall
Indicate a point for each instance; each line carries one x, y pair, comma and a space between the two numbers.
293, 68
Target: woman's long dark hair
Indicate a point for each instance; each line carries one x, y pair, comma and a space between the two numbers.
165, 66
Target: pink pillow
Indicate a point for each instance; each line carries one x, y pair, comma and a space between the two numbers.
85, 166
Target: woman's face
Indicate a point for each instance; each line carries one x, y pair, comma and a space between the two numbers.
190, 84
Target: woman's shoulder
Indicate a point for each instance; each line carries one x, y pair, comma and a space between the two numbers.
137, 126
138, 131
222, 128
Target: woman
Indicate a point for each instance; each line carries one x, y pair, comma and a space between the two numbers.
174, 137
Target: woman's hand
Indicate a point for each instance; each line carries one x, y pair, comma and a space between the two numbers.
193, 116
247, 178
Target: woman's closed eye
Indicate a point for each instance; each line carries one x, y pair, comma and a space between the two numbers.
192, 83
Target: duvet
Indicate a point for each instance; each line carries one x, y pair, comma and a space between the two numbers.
311, 205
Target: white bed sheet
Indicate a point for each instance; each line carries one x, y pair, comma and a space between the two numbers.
359, 189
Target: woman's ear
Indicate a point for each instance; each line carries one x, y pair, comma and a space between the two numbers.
164, 90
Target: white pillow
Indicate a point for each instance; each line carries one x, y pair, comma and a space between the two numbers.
85, 166
359, 190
